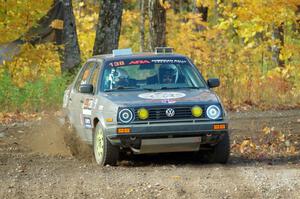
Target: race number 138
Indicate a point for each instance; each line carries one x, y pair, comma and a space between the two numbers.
117, 63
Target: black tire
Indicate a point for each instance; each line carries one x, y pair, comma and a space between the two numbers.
104, 152
220, 152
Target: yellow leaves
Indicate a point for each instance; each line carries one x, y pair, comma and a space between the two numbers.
286, 53
130, 30
34, 62
165, 4
224, 25
57, 24
291, 150
205, 3
16, 17
267, 130
81, 4
9, 118
270, 143
247, 146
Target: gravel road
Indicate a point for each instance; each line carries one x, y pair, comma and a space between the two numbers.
35, 163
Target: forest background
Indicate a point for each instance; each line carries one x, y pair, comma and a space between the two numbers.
253, 46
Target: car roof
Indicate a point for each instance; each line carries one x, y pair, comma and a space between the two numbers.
150, 55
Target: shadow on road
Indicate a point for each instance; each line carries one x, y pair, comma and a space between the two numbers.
180, 159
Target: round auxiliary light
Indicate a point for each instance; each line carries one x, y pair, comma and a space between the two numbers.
143, 113
197, 111
213, 112
126, 116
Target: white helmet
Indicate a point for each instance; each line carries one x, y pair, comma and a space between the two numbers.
169, 70
119, 77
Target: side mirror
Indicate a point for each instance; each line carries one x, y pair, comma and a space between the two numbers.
213, 82
86, 88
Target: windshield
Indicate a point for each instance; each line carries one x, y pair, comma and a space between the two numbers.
152, 74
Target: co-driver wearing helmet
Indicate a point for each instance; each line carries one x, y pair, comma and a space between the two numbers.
168, 74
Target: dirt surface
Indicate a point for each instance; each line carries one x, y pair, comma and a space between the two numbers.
35, 162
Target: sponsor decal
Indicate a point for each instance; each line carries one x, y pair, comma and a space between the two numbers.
136, 62
87, 122
162, 95
169, 61
88, 105
86, 112
168, 101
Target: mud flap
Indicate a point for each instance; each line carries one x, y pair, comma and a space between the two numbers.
170, 145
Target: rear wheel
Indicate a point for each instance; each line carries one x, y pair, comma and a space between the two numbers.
105, 153
220, 152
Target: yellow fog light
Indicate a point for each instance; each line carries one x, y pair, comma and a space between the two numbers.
143, 113
197, 111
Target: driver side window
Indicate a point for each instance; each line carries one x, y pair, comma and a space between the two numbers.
84, 75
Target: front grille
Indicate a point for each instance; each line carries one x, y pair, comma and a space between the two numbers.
159, 113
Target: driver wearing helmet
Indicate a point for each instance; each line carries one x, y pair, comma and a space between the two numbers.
168, 74
120, 78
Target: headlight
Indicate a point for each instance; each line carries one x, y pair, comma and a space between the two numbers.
143, 113
125, 116
213, 112
197, 111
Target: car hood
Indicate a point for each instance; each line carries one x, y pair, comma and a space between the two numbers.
153, 98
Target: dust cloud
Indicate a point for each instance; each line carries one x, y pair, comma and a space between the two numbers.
51, 137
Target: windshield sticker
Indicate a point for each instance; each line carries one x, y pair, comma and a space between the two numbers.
137, 62
117, 63
162, 95
169, 61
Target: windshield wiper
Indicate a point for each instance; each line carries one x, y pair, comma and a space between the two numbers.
189, 87
192, 87
121, 88
150, 89
166, 88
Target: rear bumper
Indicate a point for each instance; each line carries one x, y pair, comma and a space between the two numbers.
161, 137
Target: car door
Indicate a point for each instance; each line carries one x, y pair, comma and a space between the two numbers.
90, 101
76, 98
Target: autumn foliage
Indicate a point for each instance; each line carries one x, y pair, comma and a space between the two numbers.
237, 43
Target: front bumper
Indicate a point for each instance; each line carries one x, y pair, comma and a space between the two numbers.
169, 134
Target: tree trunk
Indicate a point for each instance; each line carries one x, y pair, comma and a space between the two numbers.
298, 21
157, 17
109, 26
203, 11
278, 34
71, 57
142, 26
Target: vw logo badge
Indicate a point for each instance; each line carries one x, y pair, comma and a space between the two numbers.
170, 112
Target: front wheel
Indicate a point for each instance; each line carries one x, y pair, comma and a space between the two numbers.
220, 152
105, 153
